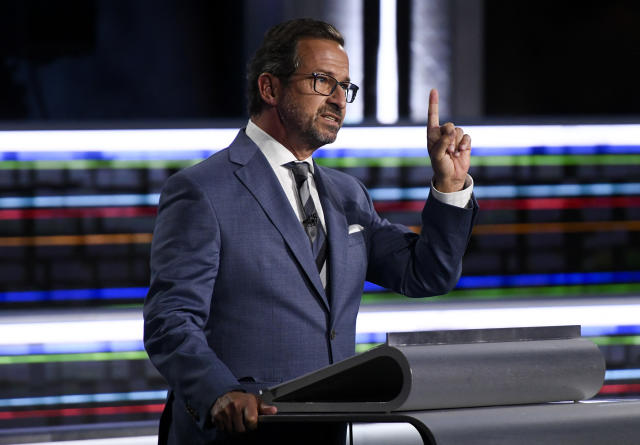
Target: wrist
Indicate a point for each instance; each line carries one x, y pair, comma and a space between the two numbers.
447, 186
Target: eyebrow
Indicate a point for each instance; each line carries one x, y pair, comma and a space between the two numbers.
332, 74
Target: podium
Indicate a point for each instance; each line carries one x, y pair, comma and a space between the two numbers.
483, 386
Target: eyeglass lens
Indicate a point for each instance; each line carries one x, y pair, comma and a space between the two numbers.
326, 85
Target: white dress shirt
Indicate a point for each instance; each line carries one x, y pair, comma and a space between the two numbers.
278, 155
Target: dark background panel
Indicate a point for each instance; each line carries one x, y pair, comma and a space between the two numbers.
546, 57
142, 60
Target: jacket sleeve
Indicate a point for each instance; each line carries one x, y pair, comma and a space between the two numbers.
185, 255
421, 265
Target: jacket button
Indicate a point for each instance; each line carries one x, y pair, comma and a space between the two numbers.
332, 336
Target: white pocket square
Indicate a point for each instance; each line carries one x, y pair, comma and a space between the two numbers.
353, 228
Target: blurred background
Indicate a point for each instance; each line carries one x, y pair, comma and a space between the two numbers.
102, 100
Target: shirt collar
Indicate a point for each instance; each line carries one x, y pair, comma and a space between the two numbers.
276, 153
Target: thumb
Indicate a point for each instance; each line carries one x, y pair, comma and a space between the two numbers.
264, 408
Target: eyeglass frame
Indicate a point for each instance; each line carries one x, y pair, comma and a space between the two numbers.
345, 85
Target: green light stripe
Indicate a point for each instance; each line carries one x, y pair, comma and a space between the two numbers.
87, 164
550, 160
82, 357
345, 162
513, 293
364, 347
481, 161
624, 340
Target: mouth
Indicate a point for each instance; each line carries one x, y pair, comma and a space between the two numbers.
332, 118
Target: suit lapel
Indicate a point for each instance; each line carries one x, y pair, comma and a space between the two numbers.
337, 231
256, 175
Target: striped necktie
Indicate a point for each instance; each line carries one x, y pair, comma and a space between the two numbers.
310, 220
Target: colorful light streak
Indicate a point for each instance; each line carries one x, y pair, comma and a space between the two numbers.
23, 338
549, 284
337, 158
73, 333
76, 240
413, 318
151, 199
627, 388
381, 206
523, 204
536, 279
116, 140
377, 194
540, 137
92, 164
556, 227
513, 191
89, 411
590, 283
513, 293
480, 158
622, 374
86, 212
483, 229
76, 357
72, 347
69, 399
107, 293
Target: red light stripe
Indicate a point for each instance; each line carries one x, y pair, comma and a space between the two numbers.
88, 212
523, 204
621, 389
560, 203
69, 412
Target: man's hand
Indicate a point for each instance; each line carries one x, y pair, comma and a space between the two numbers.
237, 412
449, 150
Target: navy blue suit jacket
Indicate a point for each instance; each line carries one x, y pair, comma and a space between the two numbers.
235, 300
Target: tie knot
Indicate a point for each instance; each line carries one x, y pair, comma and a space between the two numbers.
300, 170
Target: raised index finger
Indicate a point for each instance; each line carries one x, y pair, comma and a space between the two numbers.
433, 121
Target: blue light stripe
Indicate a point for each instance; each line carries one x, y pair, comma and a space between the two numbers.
133, 155
71, 399
371, 337
622, 374
465, 282
600, 331
326, 152
151, 199
72, 348
117, 293
548, 279
545, 279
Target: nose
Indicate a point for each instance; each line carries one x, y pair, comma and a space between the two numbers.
338, 97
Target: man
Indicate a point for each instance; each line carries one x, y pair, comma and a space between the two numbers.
258, 262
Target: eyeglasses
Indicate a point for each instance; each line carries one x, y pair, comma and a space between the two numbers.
325, 84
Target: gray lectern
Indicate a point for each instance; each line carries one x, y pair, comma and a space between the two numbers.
483, 386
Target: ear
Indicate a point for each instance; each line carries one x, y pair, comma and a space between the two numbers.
269, 88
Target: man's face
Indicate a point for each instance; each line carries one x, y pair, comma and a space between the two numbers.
310, 118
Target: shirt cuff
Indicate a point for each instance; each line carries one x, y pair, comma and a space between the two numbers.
460, 199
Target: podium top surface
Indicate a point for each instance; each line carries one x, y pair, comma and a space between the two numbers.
496, 335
